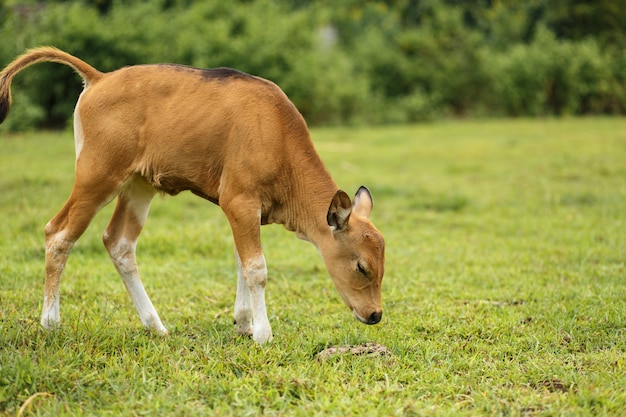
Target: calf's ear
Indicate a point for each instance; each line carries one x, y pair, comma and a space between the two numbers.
363, 202
339, 211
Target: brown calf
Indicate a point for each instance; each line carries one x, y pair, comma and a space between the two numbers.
231, 138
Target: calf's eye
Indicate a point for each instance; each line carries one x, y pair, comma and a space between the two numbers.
361, 269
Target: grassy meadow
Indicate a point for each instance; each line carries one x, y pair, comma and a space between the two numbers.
504, 293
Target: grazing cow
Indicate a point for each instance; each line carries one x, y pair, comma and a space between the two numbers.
228, 137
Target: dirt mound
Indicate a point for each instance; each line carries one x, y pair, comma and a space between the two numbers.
368, 349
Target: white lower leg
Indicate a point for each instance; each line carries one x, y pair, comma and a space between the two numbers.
255, 273
261, 331
147, 313
243, 306
58, 249
123, 256
50, 315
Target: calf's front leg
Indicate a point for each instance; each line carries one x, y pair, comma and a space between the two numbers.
250, 311
243, 303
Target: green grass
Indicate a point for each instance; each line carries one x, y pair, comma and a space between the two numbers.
504, 290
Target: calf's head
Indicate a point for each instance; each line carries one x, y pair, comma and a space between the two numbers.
355, 255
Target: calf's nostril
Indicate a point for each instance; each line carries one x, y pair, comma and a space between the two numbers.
375, 317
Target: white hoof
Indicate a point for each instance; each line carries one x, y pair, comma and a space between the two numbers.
262, 334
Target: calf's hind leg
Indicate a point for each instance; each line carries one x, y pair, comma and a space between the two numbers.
120, 239
62, 232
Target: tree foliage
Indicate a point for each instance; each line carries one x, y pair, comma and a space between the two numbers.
341, 61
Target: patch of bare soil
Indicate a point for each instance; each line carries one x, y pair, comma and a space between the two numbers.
368, 349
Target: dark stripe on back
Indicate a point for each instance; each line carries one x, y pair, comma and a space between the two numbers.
222, 73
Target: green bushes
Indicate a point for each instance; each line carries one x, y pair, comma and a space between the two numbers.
343, 61
556, 78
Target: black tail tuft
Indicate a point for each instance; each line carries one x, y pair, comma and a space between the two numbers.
5, 100
4, 109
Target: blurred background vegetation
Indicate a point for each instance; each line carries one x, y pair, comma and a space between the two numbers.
341, 61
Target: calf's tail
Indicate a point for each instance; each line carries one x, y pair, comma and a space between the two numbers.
33, 56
